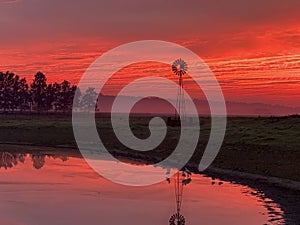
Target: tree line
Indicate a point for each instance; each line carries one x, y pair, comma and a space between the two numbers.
9, 159
16, 95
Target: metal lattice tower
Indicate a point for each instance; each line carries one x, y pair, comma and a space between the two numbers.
178, 191
181, 179
179, 67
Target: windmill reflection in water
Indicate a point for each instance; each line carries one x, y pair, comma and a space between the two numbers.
179, 180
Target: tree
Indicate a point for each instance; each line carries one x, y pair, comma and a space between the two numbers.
39, 90
77, 97
14, 101
66, 96
8, 160
19, 94
16, 94
23, 95
89, 99
50, 96
63, 96
8, 82
38, 161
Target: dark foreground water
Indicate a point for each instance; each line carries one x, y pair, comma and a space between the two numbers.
39, 189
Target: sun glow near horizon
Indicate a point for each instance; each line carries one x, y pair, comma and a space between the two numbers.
255, 57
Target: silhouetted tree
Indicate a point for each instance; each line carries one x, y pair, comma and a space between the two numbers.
77, 98
38, 161
50, 97
89, 99
19, 94
16, 94
64, 96
39, 90
22, 157
69, 94
7, 81
63, 158
9, 160
23, 95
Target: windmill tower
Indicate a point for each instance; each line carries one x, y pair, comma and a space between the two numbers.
181, 179
179, 68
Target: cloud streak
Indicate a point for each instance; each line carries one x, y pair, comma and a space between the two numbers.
252, 47
9, 1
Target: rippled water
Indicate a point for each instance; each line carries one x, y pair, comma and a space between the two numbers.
38, 189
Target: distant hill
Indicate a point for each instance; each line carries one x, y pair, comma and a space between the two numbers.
153, 105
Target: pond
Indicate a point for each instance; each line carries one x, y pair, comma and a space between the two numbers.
47, 189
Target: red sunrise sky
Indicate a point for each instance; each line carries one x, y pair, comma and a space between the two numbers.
253, 47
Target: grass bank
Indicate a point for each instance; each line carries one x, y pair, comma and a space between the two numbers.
265, 146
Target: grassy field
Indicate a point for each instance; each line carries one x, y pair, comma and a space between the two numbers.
266, 146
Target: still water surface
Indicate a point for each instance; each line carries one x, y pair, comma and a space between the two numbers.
54, 189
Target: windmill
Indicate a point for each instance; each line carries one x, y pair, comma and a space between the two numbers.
179, 68
181, 179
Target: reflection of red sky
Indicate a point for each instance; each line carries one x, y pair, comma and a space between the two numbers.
74, 179
261, 65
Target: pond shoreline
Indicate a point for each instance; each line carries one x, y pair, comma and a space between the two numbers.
267, 146
285, 193
276, 181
